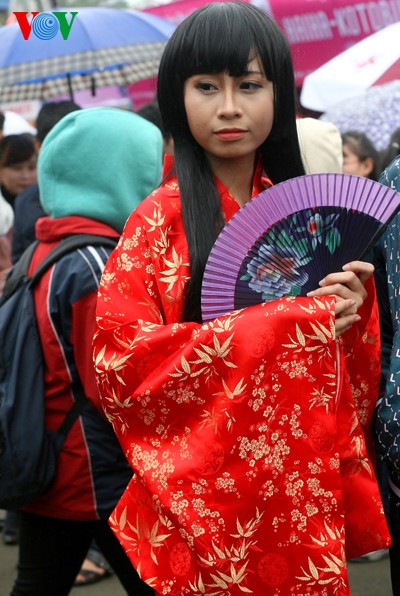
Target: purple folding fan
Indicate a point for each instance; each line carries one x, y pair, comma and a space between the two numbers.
285, 240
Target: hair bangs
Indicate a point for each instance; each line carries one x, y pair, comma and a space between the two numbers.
217, 44
16, 148
219, 37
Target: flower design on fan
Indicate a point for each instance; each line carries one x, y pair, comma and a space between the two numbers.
276, 271
314, 225
287, 238
323, 231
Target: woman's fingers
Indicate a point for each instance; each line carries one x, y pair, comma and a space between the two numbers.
348, 283
354, 276
343, 286
343, 324
363, 269
345, 307
348, 280
345, 315
347, 287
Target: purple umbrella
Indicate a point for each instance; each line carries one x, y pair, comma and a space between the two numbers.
375, 113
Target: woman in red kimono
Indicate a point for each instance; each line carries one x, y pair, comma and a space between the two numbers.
251, 469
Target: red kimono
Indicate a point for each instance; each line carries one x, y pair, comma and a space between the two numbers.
252, 475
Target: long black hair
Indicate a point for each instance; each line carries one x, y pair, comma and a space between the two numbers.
223, 37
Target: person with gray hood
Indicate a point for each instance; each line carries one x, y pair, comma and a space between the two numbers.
94, 167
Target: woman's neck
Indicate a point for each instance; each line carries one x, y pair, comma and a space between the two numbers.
236, 175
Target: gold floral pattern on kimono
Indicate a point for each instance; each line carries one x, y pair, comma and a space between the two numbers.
251, 469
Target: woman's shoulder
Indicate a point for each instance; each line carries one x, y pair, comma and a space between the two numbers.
164, 200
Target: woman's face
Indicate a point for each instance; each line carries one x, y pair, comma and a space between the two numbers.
352, 164
230, 117
18, 176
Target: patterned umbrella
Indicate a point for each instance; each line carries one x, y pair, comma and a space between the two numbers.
98, 48
376, 113
375, 60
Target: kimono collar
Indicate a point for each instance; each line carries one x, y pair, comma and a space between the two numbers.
228, 204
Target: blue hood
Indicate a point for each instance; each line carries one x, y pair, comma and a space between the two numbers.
99, 163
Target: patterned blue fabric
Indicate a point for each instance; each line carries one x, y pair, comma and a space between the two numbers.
387, 263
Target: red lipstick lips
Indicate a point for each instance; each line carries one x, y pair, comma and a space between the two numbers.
230, 134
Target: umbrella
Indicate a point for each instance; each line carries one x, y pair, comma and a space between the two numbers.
376, 113
105, 47
373, 61
14, 124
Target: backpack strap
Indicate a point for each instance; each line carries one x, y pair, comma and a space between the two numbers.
69, 244
19, 273
80, 401
66, 245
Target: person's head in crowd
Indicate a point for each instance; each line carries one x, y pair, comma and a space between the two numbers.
50, 113
392, 150
27, 207
360, 157
320, 145
99, 163
151, 112
18, 158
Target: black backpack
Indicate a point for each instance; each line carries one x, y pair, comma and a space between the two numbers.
28, 451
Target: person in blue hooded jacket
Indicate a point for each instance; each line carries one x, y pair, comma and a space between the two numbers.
94, 167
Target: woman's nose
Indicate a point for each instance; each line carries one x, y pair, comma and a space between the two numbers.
229, 106
28, 173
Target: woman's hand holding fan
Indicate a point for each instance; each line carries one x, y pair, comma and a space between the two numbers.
291, 236
348, 289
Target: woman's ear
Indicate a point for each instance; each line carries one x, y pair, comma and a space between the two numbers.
367, 165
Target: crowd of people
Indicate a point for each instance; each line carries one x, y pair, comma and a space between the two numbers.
241, 455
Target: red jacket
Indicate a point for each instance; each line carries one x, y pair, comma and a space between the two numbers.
92, 471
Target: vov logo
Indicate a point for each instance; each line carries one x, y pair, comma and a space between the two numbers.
45, 25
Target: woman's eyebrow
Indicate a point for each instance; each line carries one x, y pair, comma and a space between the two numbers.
253, 72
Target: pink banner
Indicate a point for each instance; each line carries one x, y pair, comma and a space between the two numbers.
317, 30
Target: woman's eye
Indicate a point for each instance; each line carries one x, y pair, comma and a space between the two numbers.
250, 85
205, 86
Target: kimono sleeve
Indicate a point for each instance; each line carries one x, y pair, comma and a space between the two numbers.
362, 349
139, 354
